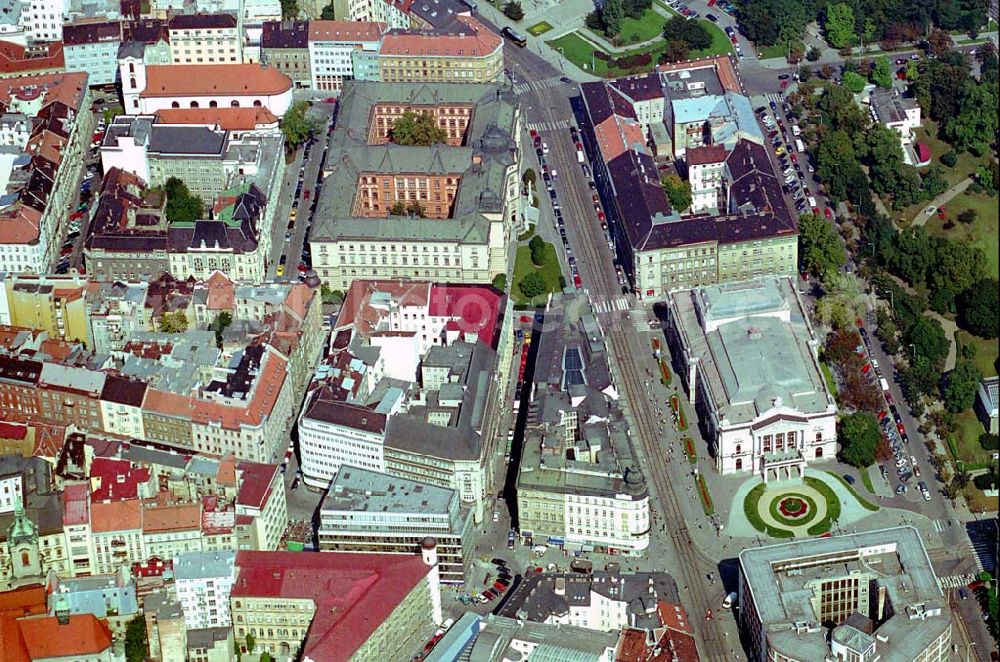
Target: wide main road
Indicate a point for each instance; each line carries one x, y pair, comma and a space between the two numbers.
548, 105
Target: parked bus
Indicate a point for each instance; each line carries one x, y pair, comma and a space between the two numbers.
799, 146
514, 37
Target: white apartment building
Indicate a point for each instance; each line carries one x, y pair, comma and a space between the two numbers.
261, 497
369, 511
378, 11
332, 47
10, 492
121, 407
205, 39
749, 356
706, 173
43, 19
116, 535
203, 581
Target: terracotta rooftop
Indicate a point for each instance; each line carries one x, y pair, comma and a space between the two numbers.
345, 30
255, 483
170, 517
228, 119
115, 516
266, 388
116, 480
472, 40
197, 80
84, 635
24, 601
353, 593
706, 154
76, 504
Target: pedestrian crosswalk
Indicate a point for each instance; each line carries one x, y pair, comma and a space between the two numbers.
610, 305
549, 125
775, 97
535, 85
955, 581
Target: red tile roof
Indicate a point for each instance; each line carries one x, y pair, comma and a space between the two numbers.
229, 119
116, 480
353, 593
16, 431
160, 517
11, 643
115, 516
76, 504
345, 30
475, 308
13, 59
255, 483
195, 80
706, 154
84, 634
24, 601
473, 41
266, 388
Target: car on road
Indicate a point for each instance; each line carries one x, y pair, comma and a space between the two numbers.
901, 489
577, 282
498, 561
829, 214
849, 478
545, 148
712, 17
496, 515
281, 270
729, 601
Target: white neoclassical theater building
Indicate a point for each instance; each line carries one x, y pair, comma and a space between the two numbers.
748, 355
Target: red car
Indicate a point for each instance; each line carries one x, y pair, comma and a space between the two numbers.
784, 84
882, 414
711, 3
828, 213
900, 428
66, 251
534, 134
600, 216
866, 369
303, 267
815, 210
732, 38
576, 281
75, 215
795, 159
498, 586
942, 214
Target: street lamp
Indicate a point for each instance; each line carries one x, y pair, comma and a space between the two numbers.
968, 647
913, 351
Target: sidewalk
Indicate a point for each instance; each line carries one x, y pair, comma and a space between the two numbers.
924, 214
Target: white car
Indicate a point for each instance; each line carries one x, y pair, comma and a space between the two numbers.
555, 174
927, 495
545, 148
496, 516
901, 462
728, 602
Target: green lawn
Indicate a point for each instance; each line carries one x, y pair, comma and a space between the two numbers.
540, 28
831, 384
982, 233
867, 480
967, 439
550, 272
778, 50
580, 52
646, 27
986, 352
967, 164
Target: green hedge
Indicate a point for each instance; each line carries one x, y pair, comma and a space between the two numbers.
832, 506
776, 514
750, 504
867, 505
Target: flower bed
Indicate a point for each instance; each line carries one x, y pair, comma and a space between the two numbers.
706, 498
832, 506
750, 505
675, 404
690, 451
793, 509
664, 373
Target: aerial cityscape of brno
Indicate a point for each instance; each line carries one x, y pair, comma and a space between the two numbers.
499, 330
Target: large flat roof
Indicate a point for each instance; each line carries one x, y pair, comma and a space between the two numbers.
754, 348
362, 490
779, 576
